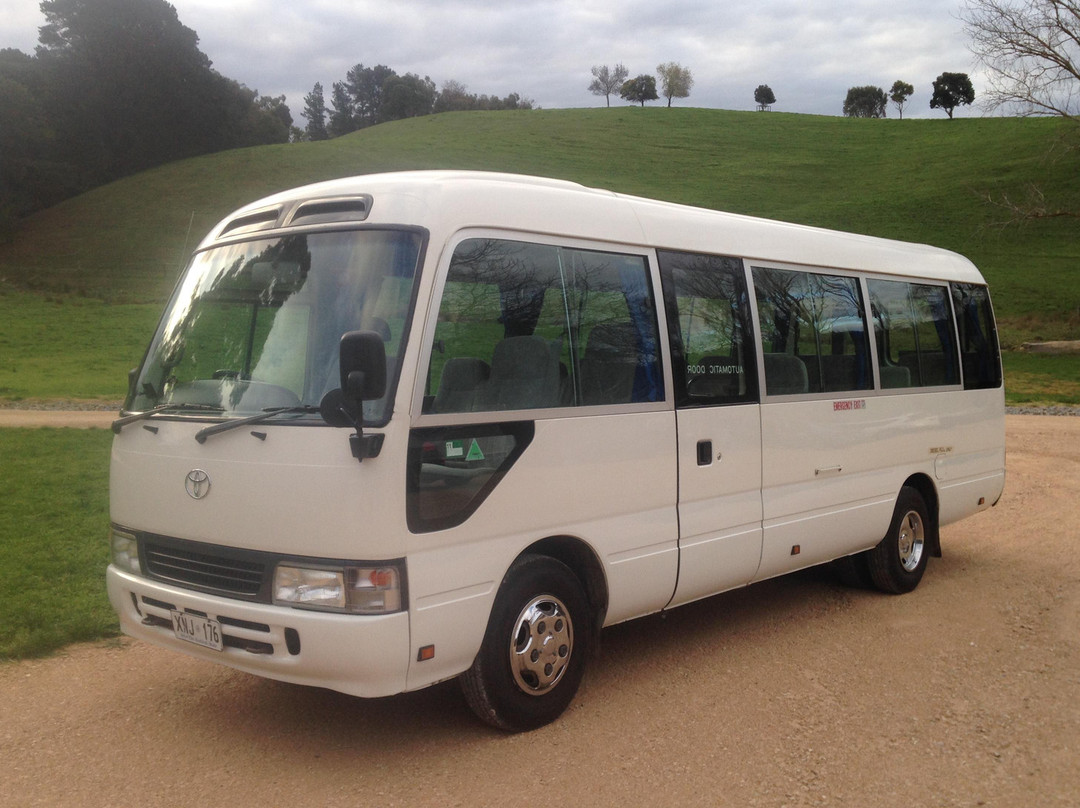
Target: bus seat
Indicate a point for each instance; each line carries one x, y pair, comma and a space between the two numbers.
524, 375
462, 379
609, 364
785, 375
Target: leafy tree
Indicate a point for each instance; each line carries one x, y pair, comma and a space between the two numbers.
454, 96
675, 80
342, 120
315, 112
639, 90
30, 176
407, 96
952, 90
607, 80
1031, 50
114, 87
764, 97
366, 86
899, 94
865, 102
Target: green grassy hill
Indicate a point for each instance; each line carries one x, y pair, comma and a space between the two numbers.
918, 180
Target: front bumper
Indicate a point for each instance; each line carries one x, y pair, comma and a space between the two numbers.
361, 655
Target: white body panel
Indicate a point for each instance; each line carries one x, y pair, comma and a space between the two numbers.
719, 502
623, 482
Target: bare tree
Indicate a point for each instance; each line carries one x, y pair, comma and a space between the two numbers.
1031, 51
607, 80
675, 80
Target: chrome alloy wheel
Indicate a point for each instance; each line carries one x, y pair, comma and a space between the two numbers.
911, 540
541, 645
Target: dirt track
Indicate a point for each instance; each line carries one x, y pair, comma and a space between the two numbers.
793, 692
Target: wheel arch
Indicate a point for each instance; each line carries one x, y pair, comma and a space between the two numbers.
929, 493
584, 563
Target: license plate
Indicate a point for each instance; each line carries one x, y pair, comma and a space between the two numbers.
199, 630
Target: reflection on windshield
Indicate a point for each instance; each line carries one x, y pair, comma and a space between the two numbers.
256, 325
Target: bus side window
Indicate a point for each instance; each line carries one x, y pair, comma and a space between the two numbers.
533, 326
915, 335
709, 320
978, 336
817, 319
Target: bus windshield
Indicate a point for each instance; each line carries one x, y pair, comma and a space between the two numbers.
255, 325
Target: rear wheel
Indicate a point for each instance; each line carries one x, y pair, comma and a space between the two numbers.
898, 562
534, 651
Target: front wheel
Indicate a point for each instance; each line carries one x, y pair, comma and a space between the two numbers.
898, 562
534, 650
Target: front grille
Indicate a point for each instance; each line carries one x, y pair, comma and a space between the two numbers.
231, 574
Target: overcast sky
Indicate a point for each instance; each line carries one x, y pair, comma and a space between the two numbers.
808, 51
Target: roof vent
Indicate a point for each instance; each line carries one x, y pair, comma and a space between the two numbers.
251, 222
339, 209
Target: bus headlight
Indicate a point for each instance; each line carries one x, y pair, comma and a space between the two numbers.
125, 551
357, 589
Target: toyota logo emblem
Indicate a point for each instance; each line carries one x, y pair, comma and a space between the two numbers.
197, 484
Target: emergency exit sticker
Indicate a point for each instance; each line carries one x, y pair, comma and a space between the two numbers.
851, 404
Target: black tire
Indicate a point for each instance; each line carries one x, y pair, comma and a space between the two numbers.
538, 638
898, 562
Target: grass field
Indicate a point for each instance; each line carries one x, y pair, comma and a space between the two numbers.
54, 522
65, 347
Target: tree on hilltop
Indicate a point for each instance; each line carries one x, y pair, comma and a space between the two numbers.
407, 96
607, 80
899, 94
952, 90
675, 80
639, 90
764, 97
865, 102
315, 112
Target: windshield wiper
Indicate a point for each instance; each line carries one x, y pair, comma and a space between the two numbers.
266, 414
120, 423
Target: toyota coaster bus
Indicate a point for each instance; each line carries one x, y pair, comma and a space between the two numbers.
401, 428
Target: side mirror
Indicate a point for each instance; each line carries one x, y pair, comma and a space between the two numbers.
362, 359
363, 366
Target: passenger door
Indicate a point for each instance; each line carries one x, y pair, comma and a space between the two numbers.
718, 420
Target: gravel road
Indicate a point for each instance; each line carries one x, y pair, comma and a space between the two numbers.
794, 692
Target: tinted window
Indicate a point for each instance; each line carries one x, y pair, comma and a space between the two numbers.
813, 332
528, 326
915, 335
708, 317
978, 336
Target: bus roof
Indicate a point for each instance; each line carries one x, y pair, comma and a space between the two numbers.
445, 202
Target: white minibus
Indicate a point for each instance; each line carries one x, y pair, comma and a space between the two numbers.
406, 427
